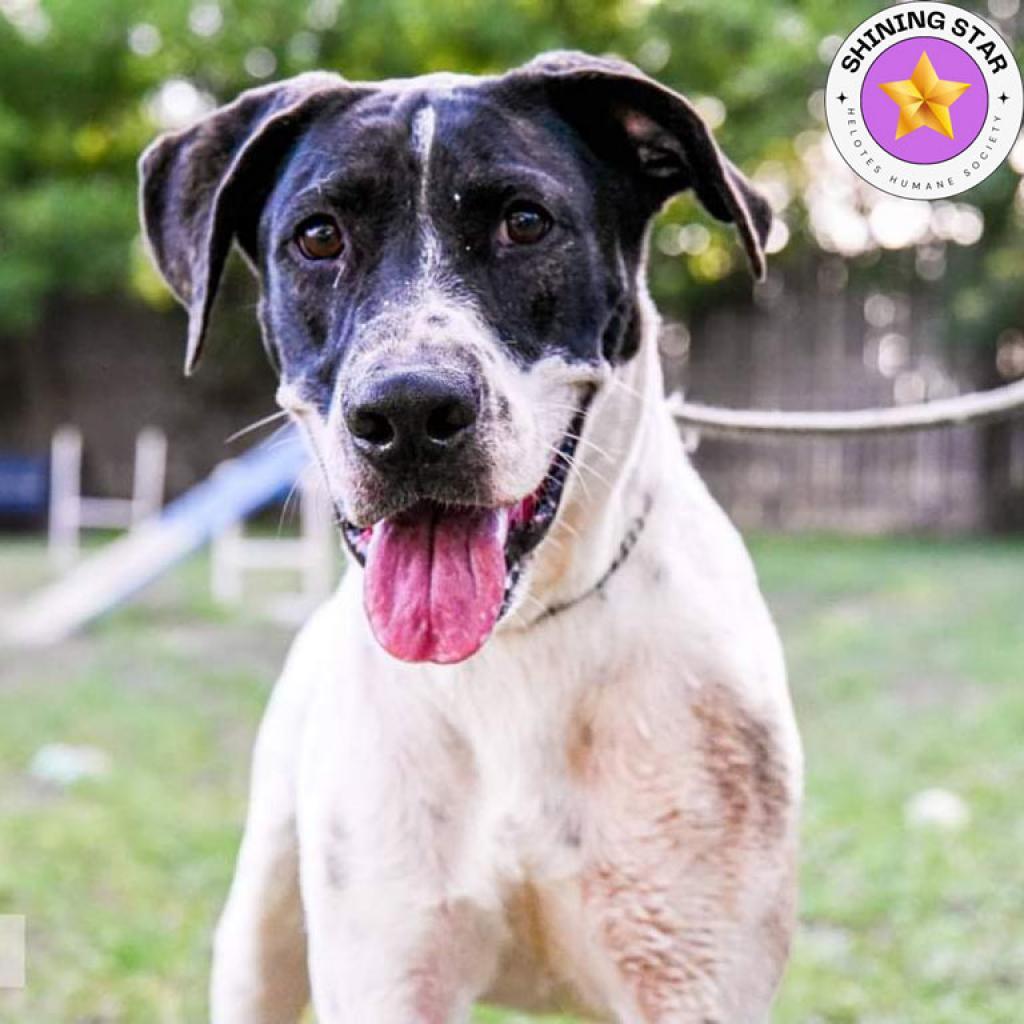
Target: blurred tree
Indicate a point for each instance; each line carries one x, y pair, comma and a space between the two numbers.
84, 85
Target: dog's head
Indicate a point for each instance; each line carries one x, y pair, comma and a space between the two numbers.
448, 266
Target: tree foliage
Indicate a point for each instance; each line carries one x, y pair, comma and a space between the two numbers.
85, 84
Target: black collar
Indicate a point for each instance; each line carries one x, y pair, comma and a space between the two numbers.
629, 542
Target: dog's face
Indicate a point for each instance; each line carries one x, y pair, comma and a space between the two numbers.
444, 274
449, 268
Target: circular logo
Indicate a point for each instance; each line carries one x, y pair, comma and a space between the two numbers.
924, 100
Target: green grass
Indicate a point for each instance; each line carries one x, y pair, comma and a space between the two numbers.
907, 661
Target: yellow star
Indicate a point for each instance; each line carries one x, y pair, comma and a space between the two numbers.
924, 99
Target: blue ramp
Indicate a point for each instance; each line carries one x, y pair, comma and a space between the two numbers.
110, 577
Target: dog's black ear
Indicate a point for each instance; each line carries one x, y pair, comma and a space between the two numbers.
205, 186
628, 117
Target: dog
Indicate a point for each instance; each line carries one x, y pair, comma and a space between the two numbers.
538, 750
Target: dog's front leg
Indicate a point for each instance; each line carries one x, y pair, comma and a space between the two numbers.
259, 965
402, 964
402, 921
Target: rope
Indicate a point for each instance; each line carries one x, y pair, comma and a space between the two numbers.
977, 407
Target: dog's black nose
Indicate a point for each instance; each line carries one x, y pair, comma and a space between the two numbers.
411, 415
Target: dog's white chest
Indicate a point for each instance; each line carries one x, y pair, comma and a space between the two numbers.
555, 818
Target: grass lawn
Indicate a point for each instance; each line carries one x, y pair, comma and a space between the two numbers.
907, 661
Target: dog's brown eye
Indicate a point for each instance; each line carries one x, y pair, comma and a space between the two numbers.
319, 238
525, 224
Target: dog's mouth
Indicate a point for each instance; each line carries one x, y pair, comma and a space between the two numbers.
439, 577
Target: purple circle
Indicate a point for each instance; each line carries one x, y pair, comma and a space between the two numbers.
924, 145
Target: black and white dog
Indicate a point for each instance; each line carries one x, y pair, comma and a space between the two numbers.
539, 748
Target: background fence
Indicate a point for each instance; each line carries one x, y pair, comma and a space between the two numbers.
809, 340
817, 343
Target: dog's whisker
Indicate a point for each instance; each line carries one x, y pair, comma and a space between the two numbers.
578, 438
629, 389
561, 406
585, 467
538, 605
569, 529
292, 492
571, 464
264, 421
587, 443
554, 542
574, 463
518, 618
598, 477
567, 460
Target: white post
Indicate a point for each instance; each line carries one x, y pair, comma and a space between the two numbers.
150, 473
225, 561
226, 566
65, 495
312, 554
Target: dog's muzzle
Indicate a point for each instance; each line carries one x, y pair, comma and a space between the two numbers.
441, 572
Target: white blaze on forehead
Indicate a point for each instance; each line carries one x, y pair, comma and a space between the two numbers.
424, 126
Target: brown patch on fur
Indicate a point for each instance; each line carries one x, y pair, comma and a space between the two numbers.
433, 981
454, 957
670, 964
581, 745
740, 756
695, 801
536, 973
531, 922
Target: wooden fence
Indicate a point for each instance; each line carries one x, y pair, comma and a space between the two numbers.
829, 348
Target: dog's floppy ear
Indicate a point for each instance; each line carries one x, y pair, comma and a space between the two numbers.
628, 117
204, 186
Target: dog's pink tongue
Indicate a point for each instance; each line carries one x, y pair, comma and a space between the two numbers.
435, 580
